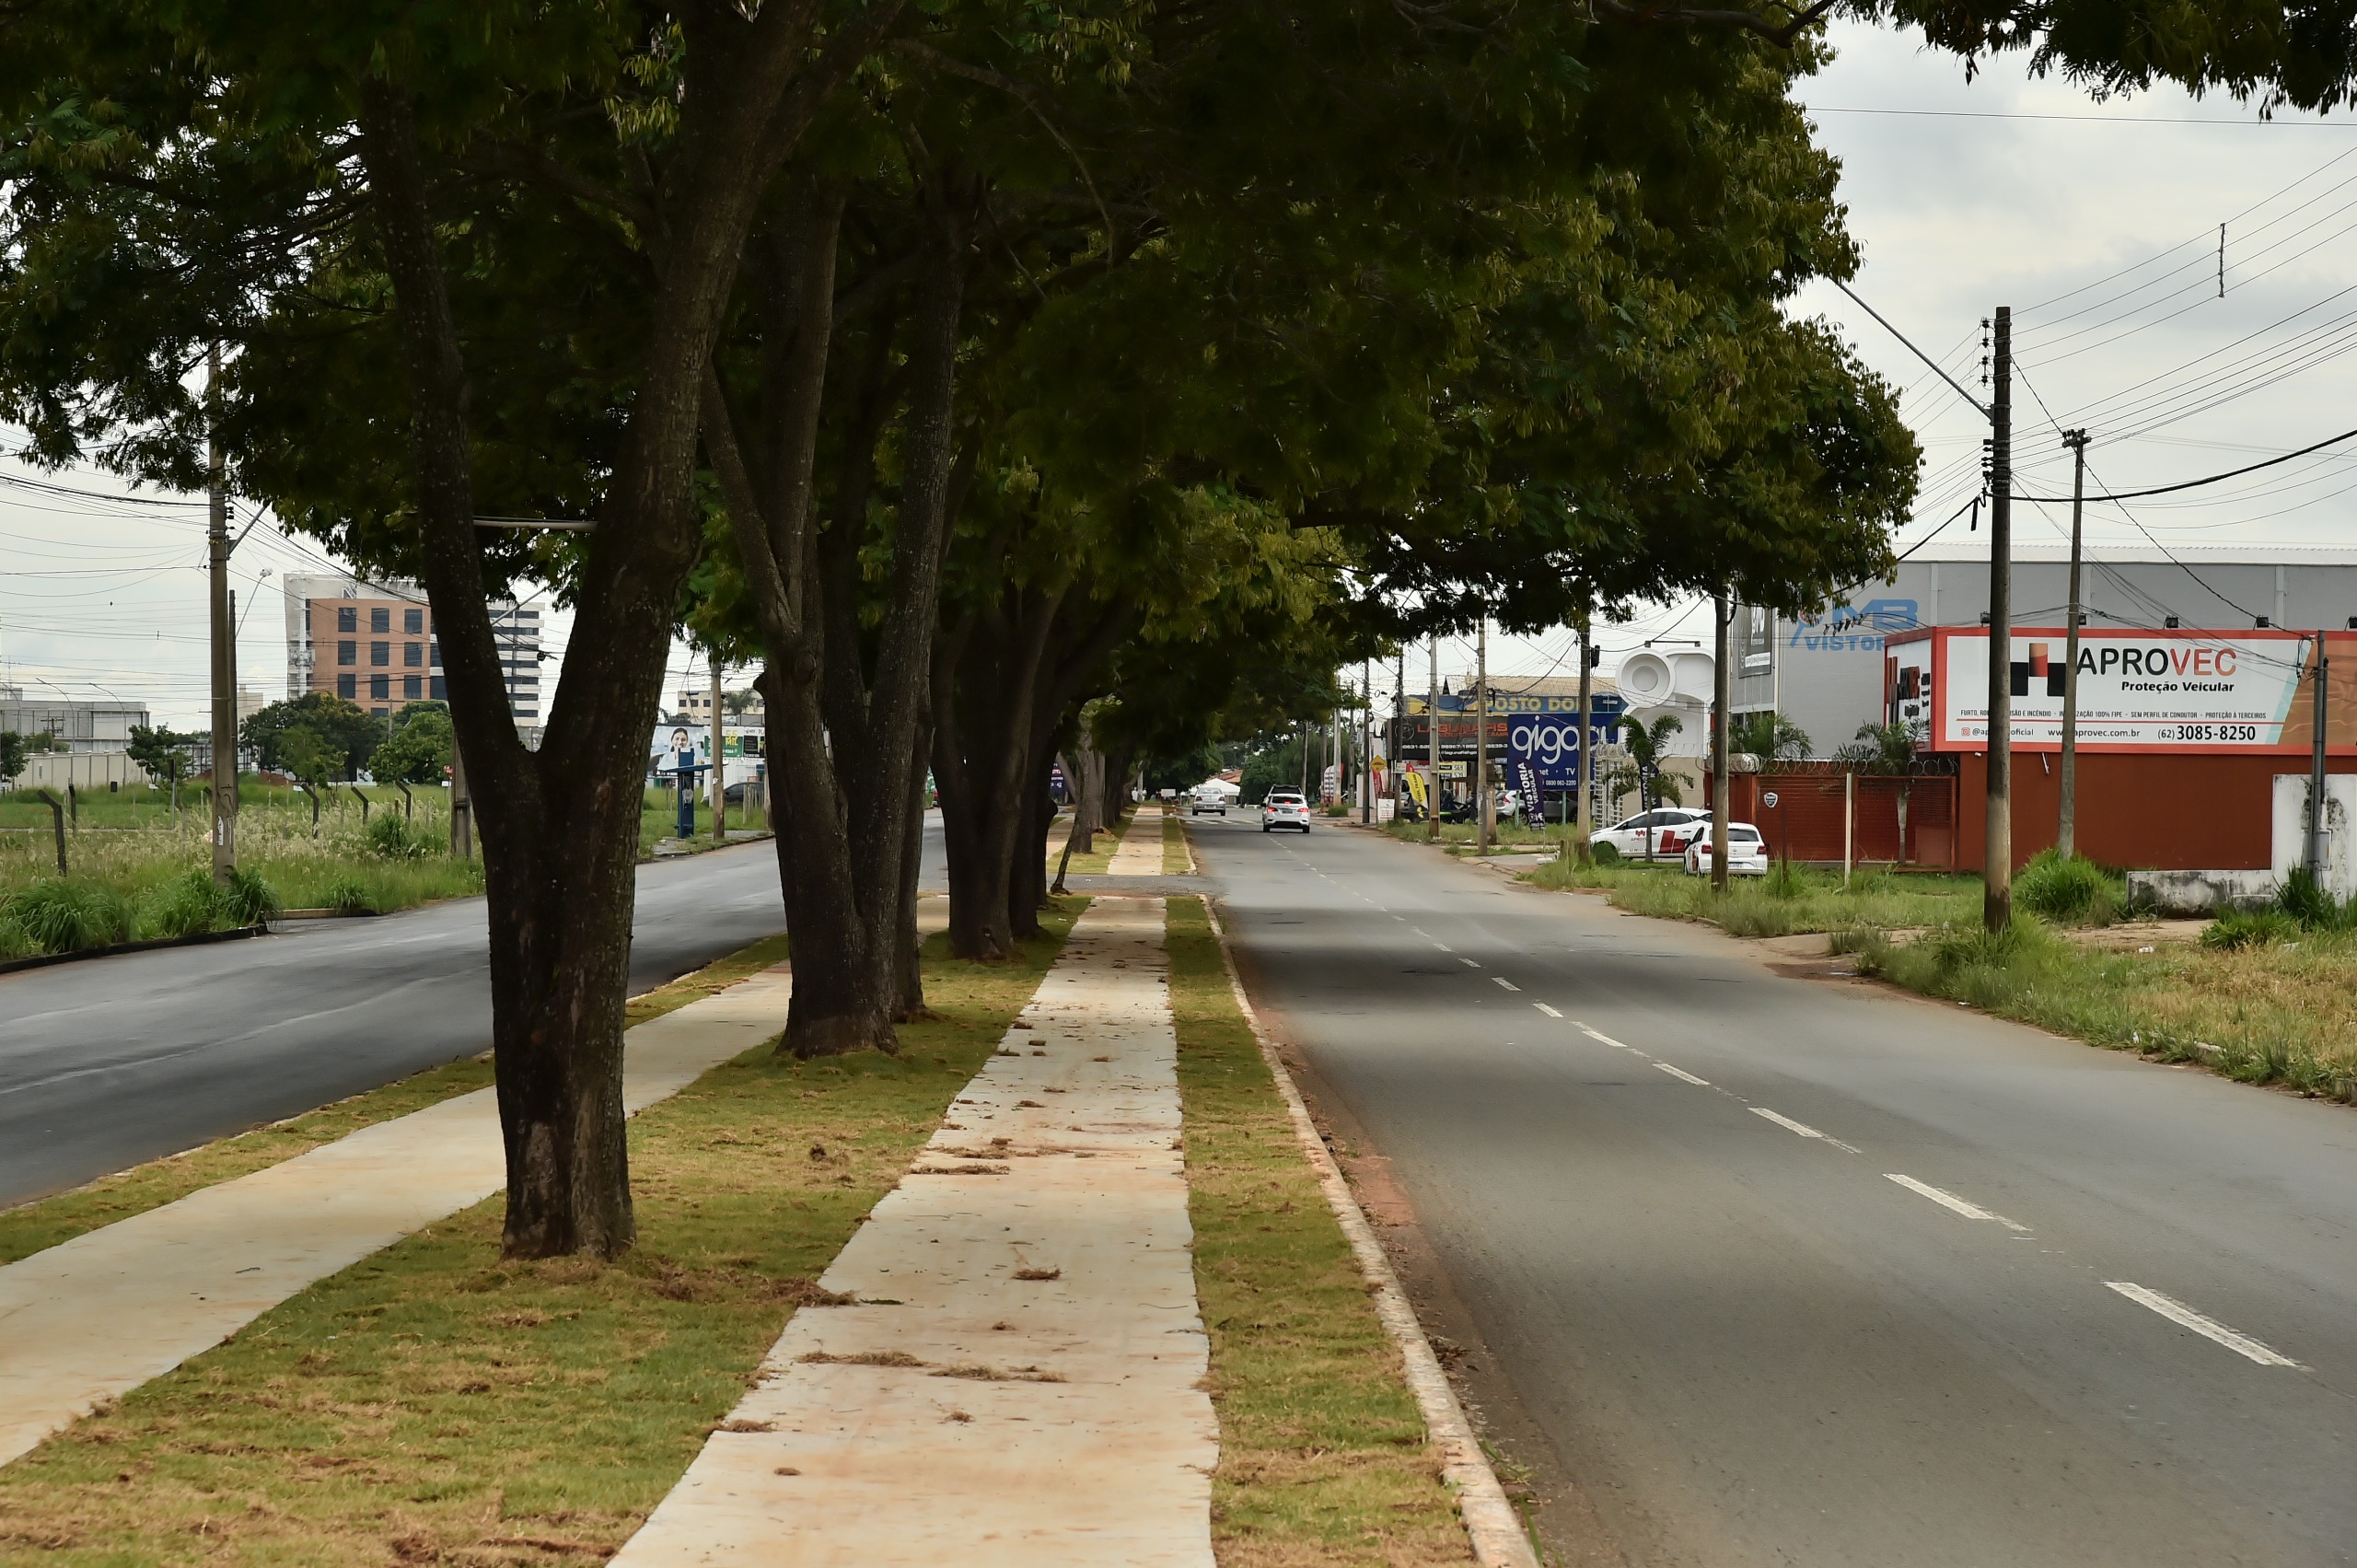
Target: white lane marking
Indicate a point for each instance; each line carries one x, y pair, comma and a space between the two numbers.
1682, 1072
1950, 1200
1505, 981
1471, 963
1802, 1128
1546, 1009
2185, 1317
1603, 1038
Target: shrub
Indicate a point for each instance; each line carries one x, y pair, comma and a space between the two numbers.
185, 905
2250, 928
61, 916
1783, 882
1606, 854
347, 895
2073, 890
395, 838
2306, 901
250, 901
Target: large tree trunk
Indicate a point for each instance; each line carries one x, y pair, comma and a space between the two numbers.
559, 826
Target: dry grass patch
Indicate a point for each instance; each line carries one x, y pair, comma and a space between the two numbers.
1323, 1456
31, 1227
436, 1404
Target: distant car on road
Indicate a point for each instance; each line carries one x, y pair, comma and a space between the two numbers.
1747, 851
1201, 800
1284, 808
1668, 826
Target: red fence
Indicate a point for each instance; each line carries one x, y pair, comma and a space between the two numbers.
1806, 822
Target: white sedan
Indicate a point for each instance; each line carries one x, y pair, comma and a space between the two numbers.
1747, 851
1666, 826
1284, 808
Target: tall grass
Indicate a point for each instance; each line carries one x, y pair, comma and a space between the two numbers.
1790, 898
2075, 890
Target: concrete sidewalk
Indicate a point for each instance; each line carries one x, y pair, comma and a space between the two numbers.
1019, 1383
1140, 850
93, 1318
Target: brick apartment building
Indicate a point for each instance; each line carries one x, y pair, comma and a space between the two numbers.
374, 644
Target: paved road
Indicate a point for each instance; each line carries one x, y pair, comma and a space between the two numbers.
106, 1063
1737, 1338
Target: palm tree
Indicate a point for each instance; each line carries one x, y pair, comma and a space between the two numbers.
1768, 735
1643, 770
1888, 749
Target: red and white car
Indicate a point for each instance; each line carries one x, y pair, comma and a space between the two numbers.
1747, 851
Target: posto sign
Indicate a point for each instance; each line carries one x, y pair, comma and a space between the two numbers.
2139, 691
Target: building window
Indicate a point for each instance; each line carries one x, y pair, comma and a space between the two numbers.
440, 694
434, 653
380, 652
347, 686
380, 618
347, 618
413, 622
413, 656
347, 653
380, 687
412, 688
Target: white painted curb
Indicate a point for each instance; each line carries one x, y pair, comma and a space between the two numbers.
1490, 1521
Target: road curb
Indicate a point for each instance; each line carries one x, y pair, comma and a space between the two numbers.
43, 960
1491, 1523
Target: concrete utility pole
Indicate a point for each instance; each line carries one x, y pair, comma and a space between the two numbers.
2317, 823
2066, 835
1579, 780
225, 633
462, 825
1366, 745
1483, 816
1432, 734
1997, 902
719, 779
1721, 698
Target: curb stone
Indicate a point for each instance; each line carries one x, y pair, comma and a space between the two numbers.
1491, 1523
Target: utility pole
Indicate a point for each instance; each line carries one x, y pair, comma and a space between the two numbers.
462, 827
719, 771
1432, 734
1484, 823
224, 690
1366, 745
1721, 698
2317, 823
2066, 837
1579, 780
1997, 902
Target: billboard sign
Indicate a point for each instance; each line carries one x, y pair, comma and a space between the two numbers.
2139, 691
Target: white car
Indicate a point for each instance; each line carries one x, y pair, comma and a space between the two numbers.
1747, 851
1202, 800
1284, 808
1669, 826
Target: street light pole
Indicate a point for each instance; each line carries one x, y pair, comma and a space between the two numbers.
2066, 835
225, 695
1997, 901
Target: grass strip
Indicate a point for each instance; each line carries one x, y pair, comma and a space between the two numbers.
1788, 900
31, 1227
1323, 1456
2277, 1014
436, 1404
1176, 861
1099, 859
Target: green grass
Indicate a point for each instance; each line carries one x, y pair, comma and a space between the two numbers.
436, 1404
1783, 902
2270, 1012
1101, 857
29, 1227
1323, 1457
1512, 836
1176, 861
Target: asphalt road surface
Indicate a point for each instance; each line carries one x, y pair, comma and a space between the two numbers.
115, 1061
1799, 1272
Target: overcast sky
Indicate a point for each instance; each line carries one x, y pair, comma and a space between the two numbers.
2098, 223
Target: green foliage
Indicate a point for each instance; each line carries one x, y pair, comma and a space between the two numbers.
1882, 748
420, 749
1784, 881
346, 894
395, 838
2308, 902
1768, 734
249, 900
15, 752
1604, 853
2250, 928
186, 904
2076, 889
163, 752
66, 915
325, 732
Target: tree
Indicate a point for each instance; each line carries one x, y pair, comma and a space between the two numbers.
349, 736
419, 750
164, 753
1888, 749
311, 759
1642, 772
1768, 734
15, 753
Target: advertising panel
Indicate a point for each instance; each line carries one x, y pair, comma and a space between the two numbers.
2139, 691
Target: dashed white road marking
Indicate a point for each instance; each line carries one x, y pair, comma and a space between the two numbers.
1802, 1128
1505, 981
1604, 1039
1546, 1009
1471, 963
2209, 1328
1951, 1201
1682, 1072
